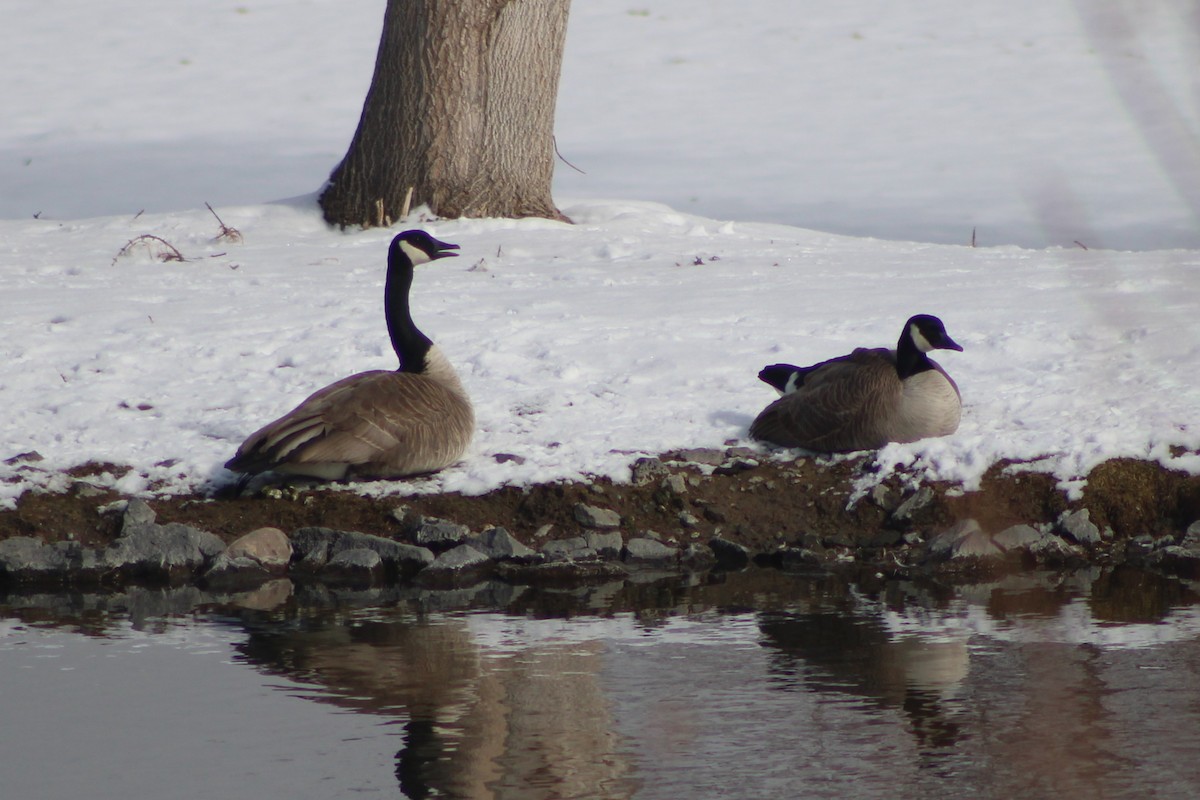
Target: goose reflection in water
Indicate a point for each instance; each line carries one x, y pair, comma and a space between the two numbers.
521, 723
858, 656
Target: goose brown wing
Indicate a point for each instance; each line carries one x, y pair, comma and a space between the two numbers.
840, 407
395, 423
368, 418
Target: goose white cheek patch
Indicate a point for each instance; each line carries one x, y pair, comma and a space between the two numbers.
415, 254
919, 339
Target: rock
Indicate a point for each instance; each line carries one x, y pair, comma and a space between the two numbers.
733, 466
962, 540
137, 512
1076, 525
1191, 537
593, 517
459, 559
26, 558
498, 544
159, 552
729, 555
675, 484
317, 547
1018, 537
269, 547
572, 549
1054, 549
439, 533
606, 544
235, 572
647, 470
884, 497
975, 544
701, 455
648, 550
543, 531
355, 565
688, 519
696, 556
911, 505
1183, 561
798, 558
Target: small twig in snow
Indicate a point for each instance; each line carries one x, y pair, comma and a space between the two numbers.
170, 254
231, 234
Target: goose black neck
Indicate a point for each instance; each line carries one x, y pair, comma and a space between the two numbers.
410, 344
909, 358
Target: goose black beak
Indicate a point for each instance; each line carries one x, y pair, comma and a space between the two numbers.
949, 344
443, 249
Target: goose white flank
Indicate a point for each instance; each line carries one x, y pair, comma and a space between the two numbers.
782, 185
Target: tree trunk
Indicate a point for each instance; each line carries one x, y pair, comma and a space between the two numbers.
460, 112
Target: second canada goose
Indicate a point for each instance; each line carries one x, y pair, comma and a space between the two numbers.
378, 424
866, 399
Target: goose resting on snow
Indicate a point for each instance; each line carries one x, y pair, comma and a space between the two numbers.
378, 424
866, 399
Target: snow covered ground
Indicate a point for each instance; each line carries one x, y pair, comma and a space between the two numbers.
730, 145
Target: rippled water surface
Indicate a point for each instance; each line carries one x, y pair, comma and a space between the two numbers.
755, 685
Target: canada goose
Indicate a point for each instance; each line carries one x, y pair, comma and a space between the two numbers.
377, 424
866, 399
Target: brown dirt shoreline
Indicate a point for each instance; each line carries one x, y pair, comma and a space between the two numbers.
763, 506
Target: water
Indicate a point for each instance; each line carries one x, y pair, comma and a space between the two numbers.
755, 685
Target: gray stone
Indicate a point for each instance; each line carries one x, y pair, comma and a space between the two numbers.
137, 513
1191, 537
944, 544
675, 483
733, 466
26, 558
498, 543
168, 551
912, 504
1018, 537
572, 549
269, 547
647, 470
606, 544
884, 497
697, 556
315, 547
976, 544
1053, 548
645, 549
701, 455
355, 565
799, 558
729, 555
543, 531
1184, 561
593, 517
229, 572
1078, 527
459, 559
434, 532
688, 519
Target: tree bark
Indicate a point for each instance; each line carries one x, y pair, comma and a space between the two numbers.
460, 111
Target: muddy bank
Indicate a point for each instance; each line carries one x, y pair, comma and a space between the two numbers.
693, 510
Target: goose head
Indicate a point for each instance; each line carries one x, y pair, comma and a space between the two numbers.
418, 247
406, 251
922, 333
783, 377
926, 332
